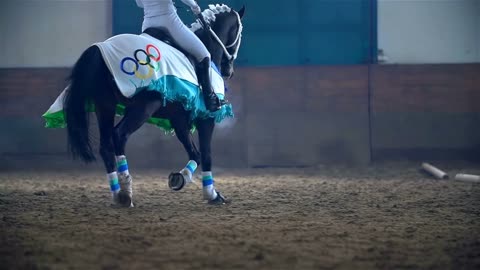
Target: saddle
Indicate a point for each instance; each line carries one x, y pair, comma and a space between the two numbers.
163, 35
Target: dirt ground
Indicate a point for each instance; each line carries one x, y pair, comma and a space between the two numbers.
386, 216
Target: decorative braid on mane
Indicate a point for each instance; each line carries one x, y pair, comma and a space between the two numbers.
209, 15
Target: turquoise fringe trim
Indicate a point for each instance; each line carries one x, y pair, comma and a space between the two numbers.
173, 89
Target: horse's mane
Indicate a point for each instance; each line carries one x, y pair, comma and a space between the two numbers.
209, 15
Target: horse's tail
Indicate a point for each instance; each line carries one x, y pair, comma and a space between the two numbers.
80, 91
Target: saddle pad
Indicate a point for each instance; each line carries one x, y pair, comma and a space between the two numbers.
139, 62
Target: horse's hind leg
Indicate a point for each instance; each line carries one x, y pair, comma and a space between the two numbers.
135, 116
205, 132
181, 124
106, 120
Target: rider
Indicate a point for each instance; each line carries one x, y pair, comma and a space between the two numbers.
163, 14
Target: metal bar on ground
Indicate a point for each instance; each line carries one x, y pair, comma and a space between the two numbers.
467, 177
437, 173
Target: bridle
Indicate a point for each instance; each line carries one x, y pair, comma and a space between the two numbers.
235, 44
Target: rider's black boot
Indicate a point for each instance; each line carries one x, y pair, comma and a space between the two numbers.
212, 102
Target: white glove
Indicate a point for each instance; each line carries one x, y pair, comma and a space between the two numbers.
196, 9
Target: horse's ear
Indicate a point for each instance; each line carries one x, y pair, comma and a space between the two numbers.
241, 11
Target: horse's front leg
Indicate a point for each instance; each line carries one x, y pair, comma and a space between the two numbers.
181, 125
205, 132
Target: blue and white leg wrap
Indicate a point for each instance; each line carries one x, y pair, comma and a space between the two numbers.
113, 180
124, 175
191, 166
122, 165
189, 170
209, 192
114, 185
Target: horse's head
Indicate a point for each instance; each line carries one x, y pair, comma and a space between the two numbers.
224, 37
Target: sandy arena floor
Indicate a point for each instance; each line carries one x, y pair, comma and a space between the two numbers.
387, 216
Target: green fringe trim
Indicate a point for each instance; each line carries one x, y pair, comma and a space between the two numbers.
183, 91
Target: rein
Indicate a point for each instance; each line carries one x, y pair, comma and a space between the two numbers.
224, 47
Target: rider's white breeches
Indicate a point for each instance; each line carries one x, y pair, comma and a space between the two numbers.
180, 33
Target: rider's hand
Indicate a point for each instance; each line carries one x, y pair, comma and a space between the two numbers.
196, 9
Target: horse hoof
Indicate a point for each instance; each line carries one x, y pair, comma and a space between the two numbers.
176, 181
124, 199
220, 200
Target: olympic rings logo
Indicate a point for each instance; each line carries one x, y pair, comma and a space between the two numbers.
138, 62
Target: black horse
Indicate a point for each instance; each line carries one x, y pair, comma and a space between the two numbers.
92, 81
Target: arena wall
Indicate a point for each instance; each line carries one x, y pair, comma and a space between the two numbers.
289, 116
425, 111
